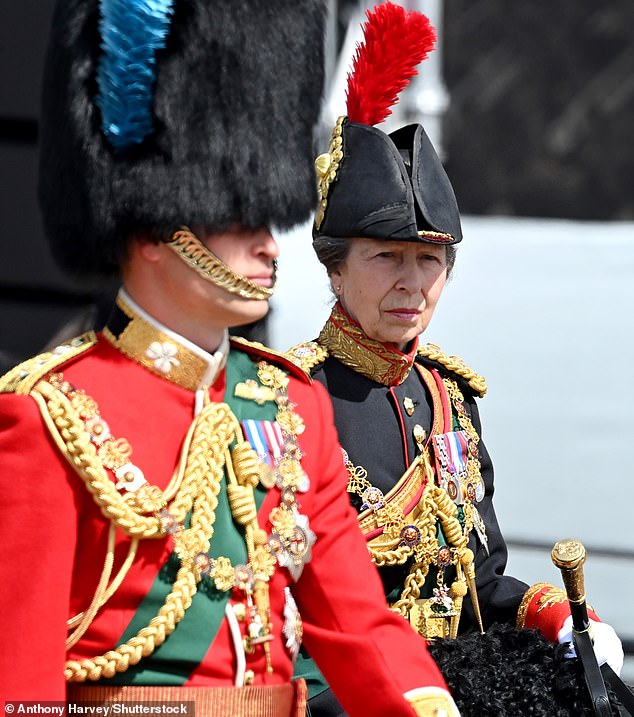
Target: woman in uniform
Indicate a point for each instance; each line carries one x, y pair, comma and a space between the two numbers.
420, 477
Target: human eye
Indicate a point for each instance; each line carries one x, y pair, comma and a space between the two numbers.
430, 257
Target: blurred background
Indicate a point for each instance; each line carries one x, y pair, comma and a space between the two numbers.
531, 107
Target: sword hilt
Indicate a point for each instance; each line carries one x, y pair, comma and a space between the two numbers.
569, 556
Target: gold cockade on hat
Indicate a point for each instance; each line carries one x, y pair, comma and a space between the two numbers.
326, 166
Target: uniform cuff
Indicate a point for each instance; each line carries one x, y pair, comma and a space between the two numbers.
432, 702
545, 607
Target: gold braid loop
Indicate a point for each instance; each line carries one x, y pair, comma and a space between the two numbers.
215, 424
383, 558
424, 517
456, 365
147, 639
215, 428
75, 444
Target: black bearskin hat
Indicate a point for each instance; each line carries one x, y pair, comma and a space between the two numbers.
376, 185
235, 95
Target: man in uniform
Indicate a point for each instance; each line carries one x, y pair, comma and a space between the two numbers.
173, 499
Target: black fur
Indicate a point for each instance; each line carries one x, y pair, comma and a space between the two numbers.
237, 97
509, 672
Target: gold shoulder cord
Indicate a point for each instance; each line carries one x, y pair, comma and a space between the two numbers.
72, 419
200, 477
455, 365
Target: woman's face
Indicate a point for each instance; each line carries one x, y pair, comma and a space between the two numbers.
391, 288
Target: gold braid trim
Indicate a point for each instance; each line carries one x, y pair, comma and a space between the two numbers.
455, 365
307, 355
82, 621
529, 595
424, 518
326, 167
146, 640
348, 343
21, 378
205, 451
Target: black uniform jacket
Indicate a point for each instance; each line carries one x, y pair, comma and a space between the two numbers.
378, 434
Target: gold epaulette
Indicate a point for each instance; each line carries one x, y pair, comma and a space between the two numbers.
455, 365
25, 375
307, 355
260, 351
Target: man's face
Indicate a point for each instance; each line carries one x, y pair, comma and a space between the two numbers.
249, 253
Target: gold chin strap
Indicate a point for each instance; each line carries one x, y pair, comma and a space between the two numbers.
196, 255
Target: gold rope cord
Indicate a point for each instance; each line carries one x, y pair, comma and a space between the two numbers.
425, 521
101, 600
74, 443
86, 618
456, 365
215, 428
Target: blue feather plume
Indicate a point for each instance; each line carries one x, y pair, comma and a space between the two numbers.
131, 33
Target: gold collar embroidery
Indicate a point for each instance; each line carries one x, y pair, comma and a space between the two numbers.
159, 350
346, 341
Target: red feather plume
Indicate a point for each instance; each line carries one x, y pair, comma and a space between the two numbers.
395, 42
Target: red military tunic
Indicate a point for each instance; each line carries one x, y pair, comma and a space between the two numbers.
55, 540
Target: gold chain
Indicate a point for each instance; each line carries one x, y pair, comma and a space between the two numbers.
196, 255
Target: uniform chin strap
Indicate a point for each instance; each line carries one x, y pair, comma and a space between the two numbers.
196, 255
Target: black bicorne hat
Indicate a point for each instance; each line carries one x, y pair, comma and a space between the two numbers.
234, 94
378, 185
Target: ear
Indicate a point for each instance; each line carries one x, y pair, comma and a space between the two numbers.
335, 282
150, 251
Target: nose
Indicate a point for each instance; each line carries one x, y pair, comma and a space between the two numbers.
265, 244
411, 278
